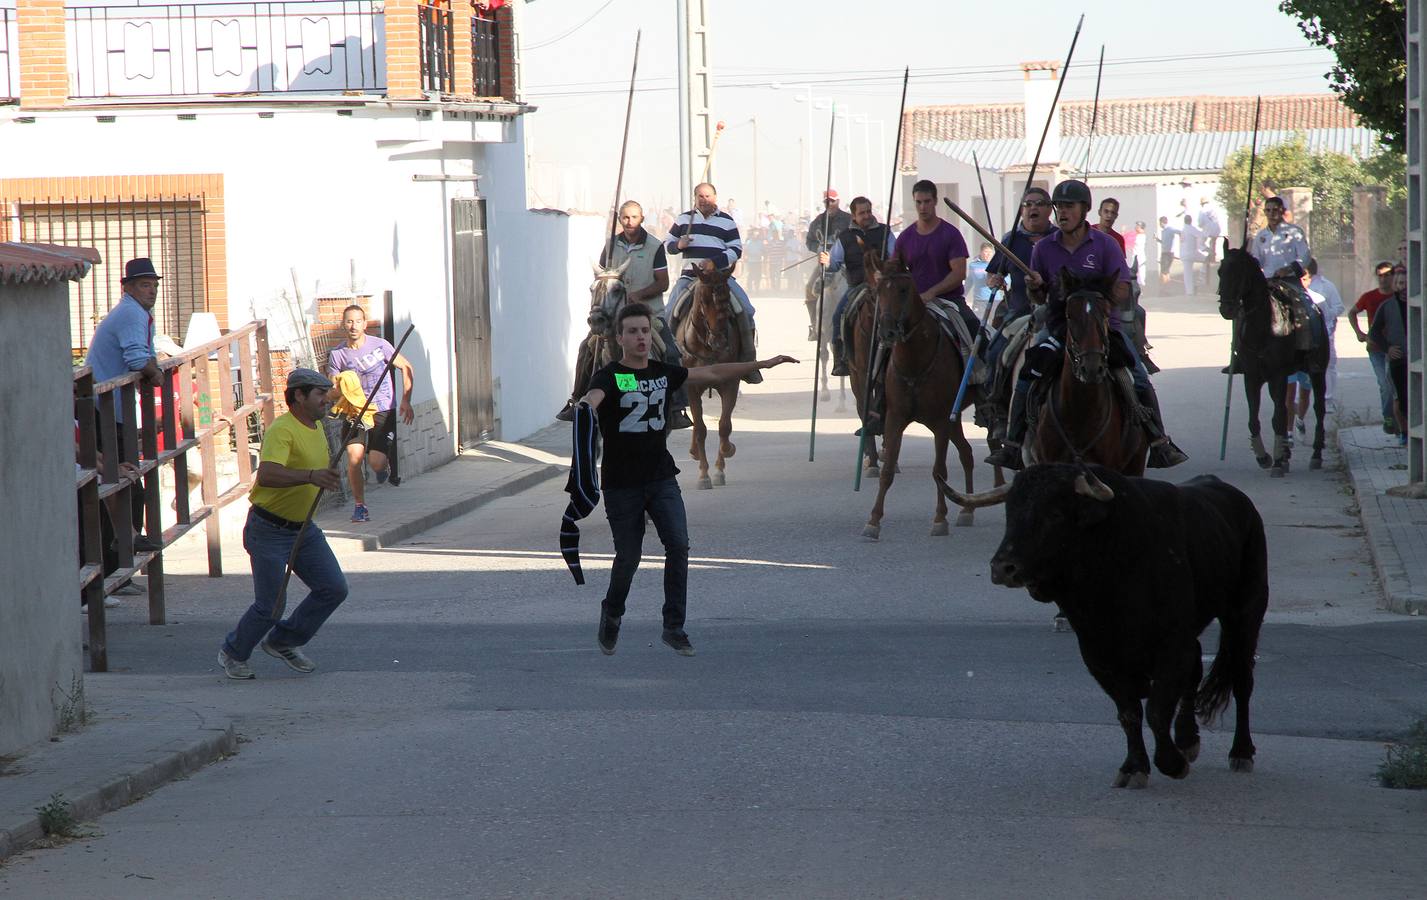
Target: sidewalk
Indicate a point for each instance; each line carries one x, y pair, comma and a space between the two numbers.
132, 745
136, 741
1396, 527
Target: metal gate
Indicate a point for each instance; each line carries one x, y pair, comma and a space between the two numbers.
475, 406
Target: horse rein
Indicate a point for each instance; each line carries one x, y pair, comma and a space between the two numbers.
1077, 455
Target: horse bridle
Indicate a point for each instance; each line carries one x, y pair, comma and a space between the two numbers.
898, 333
1078, 357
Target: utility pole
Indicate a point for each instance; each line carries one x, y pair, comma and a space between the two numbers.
696, 119
756, 207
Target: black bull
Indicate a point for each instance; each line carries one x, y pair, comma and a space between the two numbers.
1140, 568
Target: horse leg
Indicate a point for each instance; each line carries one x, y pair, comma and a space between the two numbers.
1253, 392
701, 432
1320, 409
728, 398
940, 434
891, 449
968, 462
1278, 393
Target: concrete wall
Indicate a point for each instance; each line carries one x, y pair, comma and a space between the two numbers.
333, 197
40, 655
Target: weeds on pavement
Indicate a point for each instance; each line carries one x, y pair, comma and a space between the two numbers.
57, 819
1406, 762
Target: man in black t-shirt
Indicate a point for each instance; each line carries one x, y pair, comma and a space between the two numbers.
630, 399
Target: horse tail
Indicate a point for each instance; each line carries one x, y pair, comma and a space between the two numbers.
1233, 666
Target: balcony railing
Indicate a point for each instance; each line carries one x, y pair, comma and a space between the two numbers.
9, 55
314, 46
438, 50
485, 56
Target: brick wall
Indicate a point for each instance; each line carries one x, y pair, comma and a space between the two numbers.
505, 19
281, 361
44, 61
403, 50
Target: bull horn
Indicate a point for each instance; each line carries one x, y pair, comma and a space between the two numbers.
973, 501
1087, 485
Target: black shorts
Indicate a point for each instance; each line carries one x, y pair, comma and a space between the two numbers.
380, 437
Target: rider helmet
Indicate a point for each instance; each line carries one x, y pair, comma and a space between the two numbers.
1071, 191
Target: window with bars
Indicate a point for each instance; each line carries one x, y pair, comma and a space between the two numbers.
170, 231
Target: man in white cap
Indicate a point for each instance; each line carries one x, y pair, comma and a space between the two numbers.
292, 468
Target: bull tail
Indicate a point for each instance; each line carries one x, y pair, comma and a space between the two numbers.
1232, 671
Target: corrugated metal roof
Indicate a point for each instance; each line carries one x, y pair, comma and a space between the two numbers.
1147, 154
22, 263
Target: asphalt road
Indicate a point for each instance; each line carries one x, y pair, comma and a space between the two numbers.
862, 719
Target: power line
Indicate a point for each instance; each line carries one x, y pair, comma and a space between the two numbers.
555, 40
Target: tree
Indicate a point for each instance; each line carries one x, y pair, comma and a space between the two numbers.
1370, 41
1330, 176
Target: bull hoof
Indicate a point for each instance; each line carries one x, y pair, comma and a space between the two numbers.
1315, 463
1277, 472
1240, 764
705, 483
719, 479
940, 529
1191, 752
966, 518
1264, 461
872, 532
1133, 780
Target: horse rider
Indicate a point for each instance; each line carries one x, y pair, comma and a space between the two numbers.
847, 255
707, 238
1033, 226
1280, 244
645, 279
1083, 252
832, 221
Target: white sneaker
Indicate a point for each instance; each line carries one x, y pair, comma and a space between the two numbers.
295, 658
236, 669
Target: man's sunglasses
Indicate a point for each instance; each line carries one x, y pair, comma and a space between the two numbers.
1032, 204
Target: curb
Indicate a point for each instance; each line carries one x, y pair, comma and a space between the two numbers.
406, 530
1387, 562
121, 790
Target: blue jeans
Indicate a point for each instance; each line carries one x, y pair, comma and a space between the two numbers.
268, 546
685, 280
1384, 381
625, 508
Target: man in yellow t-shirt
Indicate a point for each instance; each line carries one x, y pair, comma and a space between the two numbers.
292, 467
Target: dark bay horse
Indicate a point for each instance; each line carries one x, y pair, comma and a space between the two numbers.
1082, 418
860, 355
708, 335
922, 376
1268, 353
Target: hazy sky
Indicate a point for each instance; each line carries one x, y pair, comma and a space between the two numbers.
766, 53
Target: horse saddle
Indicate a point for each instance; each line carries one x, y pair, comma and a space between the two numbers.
1291, 312
953, 325
677, 308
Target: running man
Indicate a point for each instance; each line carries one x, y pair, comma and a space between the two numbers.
631, 402
367, 356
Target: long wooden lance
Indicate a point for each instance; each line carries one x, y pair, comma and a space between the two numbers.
280, 604
990, 238
872, 338
990, 305
1094, 114
623, 150
1045, 130
1234, 327
822, 282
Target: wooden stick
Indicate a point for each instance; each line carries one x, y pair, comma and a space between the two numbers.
822, 285
1234, 327
623, 149
990, 238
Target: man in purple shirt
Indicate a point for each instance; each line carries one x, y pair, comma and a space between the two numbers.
367, 356
1081, 251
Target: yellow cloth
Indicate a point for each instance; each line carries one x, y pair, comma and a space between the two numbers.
352, 399
290, 443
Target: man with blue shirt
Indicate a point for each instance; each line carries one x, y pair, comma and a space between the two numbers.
707, 238
123, 343
1086, 253
1281, 244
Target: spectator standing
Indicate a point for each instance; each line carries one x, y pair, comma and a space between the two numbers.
792, 250
976, 278
1109, 213
1208, 223
775, 255
1389, 331
1190, 241
753, 250
1331, 307
1369, 303
1166, 238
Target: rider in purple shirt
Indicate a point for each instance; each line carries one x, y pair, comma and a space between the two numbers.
935, 254
1081, 251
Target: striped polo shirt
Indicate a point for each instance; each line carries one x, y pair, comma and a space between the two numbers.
713, 237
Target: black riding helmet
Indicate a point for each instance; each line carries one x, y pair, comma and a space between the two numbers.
1071, 191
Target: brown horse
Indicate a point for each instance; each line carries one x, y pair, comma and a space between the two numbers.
708, 335
922, 376
1082, 418
859, 359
